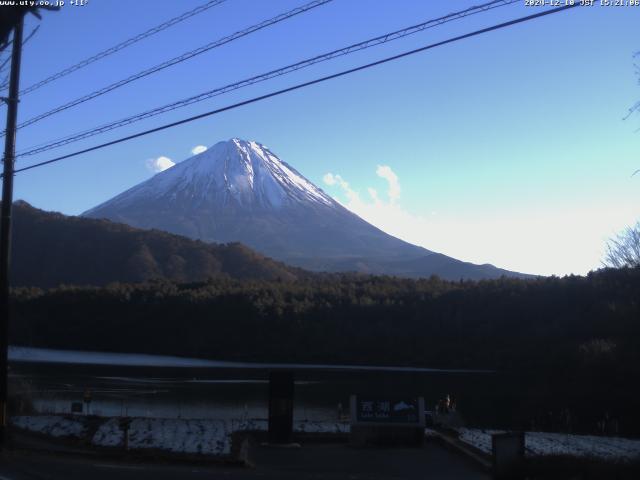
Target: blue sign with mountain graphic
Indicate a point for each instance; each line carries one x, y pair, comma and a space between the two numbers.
405, 410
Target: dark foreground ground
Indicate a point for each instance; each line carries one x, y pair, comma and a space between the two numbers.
318, 461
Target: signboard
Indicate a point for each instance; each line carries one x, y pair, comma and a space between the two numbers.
397, 411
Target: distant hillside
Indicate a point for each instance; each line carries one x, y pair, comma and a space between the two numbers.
50, 249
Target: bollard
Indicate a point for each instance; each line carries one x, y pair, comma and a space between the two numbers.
508, 455
281, 388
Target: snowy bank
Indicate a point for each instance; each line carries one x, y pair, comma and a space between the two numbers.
51, 425
186, 436
544, 443
204, 437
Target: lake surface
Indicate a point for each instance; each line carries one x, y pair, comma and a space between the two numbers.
230, 390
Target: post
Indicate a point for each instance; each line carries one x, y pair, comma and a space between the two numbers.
508, 455
281, 386
5, 220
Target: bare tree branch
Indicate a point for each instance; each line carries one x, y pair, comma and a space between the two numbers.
624, 249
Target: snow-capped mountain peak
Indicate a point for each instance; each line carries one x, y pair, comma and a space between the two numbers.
240, 191
245, 173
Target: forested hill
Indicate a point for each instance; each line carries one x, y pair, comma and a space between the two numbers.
347, 318
50, 249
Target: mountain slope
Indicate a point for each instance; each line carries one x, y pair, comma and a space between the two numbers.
49, 249
240, 191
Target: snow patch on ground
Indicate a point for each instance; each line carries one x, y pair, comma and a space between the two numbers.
213, 437
481, 439
54, 426
541, 443
545, 443
109, 434
191, 436
249, 425
302, 426
206, 437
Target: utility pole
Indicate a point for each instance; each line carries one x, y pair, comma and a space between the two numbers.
5, 220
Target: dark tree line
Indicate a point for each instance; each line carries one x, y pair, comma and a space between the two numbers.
573, 337
342, 317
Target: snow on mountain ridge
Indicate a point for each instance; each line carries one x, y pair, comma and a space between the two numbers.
244, 172
283, 172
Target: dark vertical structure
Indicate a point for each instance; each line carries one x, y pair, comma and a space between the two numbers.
280, 406
507, 455
5, 218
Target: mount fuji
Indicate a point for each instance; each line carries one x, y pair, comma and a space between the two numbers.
240, 191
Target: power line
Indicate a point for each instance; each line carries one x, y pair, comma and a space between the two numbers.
302, 85
178, 59
4, 63
5, 82
122, 45
267, 76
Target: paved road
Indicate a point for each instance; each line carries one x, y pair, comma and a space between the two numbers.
319, 462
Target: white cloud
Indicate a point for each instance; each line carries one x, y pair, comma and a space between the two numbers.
159, 164
567, 240
352, 195
198, 149
384, 171
329, 179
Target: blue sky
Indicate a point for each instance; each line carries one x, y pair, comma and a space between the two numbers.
509, 148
